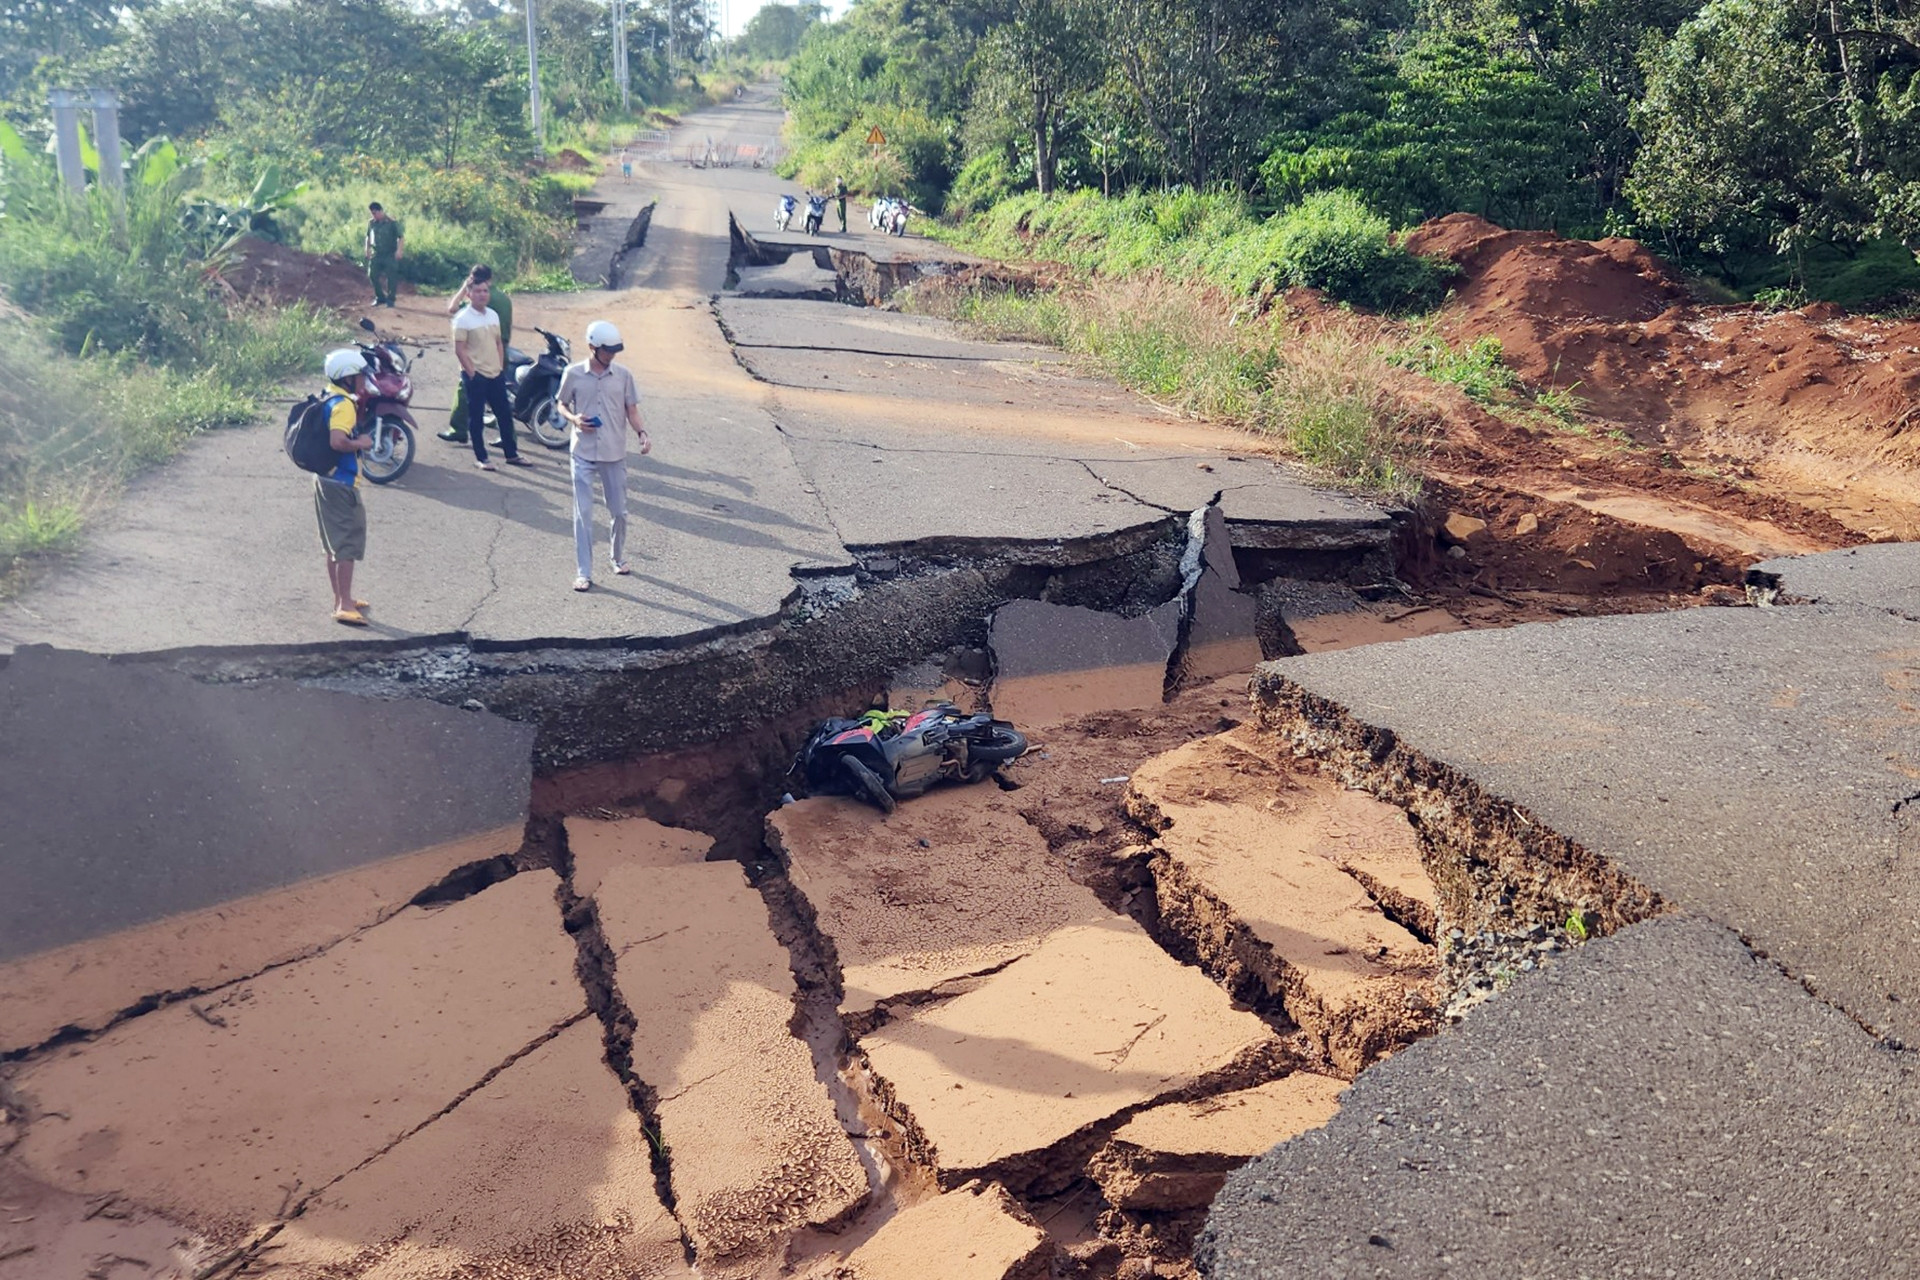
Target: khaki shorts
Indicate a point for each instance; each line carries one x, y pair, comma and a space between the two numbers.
343, 521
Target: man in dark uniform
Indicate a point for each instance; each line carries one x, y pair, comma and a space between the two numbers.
386, 245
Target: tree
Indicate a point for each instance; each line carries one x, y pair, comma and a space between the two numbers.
34, 30
1781, 119
1038, 56
774, 33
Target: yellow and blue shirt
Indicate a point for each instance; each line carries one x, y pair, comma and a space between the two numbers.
343, 415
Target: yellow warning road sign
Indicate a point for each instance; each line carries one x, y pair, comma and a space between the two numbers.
875, 138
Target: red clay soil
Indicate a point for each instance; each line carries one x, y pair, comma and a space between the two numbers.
1801, 419
279, 274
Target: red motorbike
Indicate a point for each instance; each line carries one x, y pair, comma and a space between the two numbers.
384, 414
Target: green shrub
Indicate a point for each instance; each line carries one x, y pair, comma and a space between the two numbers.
1479, 368
1330, 241
1333, 242
914, 162
983, 182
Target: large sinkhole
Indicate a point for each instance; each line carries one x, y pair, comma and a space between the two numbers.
534, 957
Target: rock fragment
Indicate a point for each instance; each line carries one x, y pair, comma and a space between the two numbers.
544, 1171
974, 1233
752, 1138
1097, 1019
209, 1110
1245, 872
1178, 1156
953, 884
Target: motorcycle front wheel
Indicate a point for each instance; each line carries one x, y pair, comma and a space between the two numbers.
392, 453
867, 783
999, 744
548, 427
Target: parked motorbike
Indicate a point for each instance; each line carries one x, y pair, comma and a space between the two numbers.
816, 214
887, 756
785, 213
384, 413
535, 384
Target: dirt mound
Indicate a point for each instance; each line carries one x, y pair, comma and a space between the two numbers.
571, 160
1815, 407
263, 271
1535, 276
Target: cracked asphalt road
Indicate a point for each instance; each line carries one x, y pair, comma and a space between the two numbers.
860, 430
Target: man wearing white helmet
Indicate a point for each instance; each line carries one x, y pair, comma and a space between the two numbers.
336, 495
600, 400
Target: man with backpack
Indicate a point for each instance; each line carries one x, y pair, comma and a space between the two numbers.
386, 245
336, 491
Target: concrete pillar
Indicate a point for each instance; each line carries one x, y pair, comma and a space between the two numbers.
533, 73
66, 106
106, 138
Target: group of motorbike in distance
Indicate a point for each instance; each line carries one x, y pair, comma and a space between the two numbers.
889, 214
385, 399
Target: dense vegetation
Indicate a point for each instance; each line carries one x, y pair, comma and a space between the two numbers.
1768, 141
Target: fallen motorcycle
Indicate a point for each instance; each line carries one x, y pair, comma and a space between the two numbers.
887, 756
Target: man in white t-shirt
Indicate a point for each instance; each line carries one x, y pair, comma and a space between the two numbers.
599, 399
482, 353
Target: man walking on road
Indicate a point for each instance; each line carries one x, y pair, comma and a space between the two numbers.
840, 200
599, 400
386, 245
336, 495
502, 305
483, 363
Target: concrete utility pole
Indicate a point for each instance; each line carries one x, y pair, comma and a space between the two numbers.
533, 75
622, 76
106, 138
66, 137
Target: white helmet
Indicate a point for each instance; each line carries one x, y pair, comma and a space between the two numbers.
344, 364
601, 333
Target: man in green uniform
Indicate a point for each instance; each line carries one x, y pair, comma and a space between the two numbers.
502, 305
386, 245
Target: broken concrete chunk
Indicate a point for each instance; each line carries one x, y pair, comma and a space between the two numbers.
1056, 662
975, 1233
1178, 1156
208, 1110
87, 984
1248, 871
213, 793
1096, 1020
755, 1147
542, 1172
1223, 636
953, 883
597, 845
798, 277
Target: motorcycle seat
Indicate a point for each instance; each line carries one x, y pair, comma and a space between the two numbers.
515, 356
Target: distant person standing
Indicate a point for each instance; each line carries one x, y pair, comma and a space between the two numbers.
336, 495
502, 305
626, 166
840, 201
386, 245
599, 399
483, 363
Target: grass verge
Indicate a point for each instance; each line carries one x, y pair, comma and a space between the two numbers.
1327, 397
74, 430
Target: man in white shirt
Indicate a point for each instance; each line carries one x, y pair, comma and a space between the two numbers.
599, 399
482, 353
